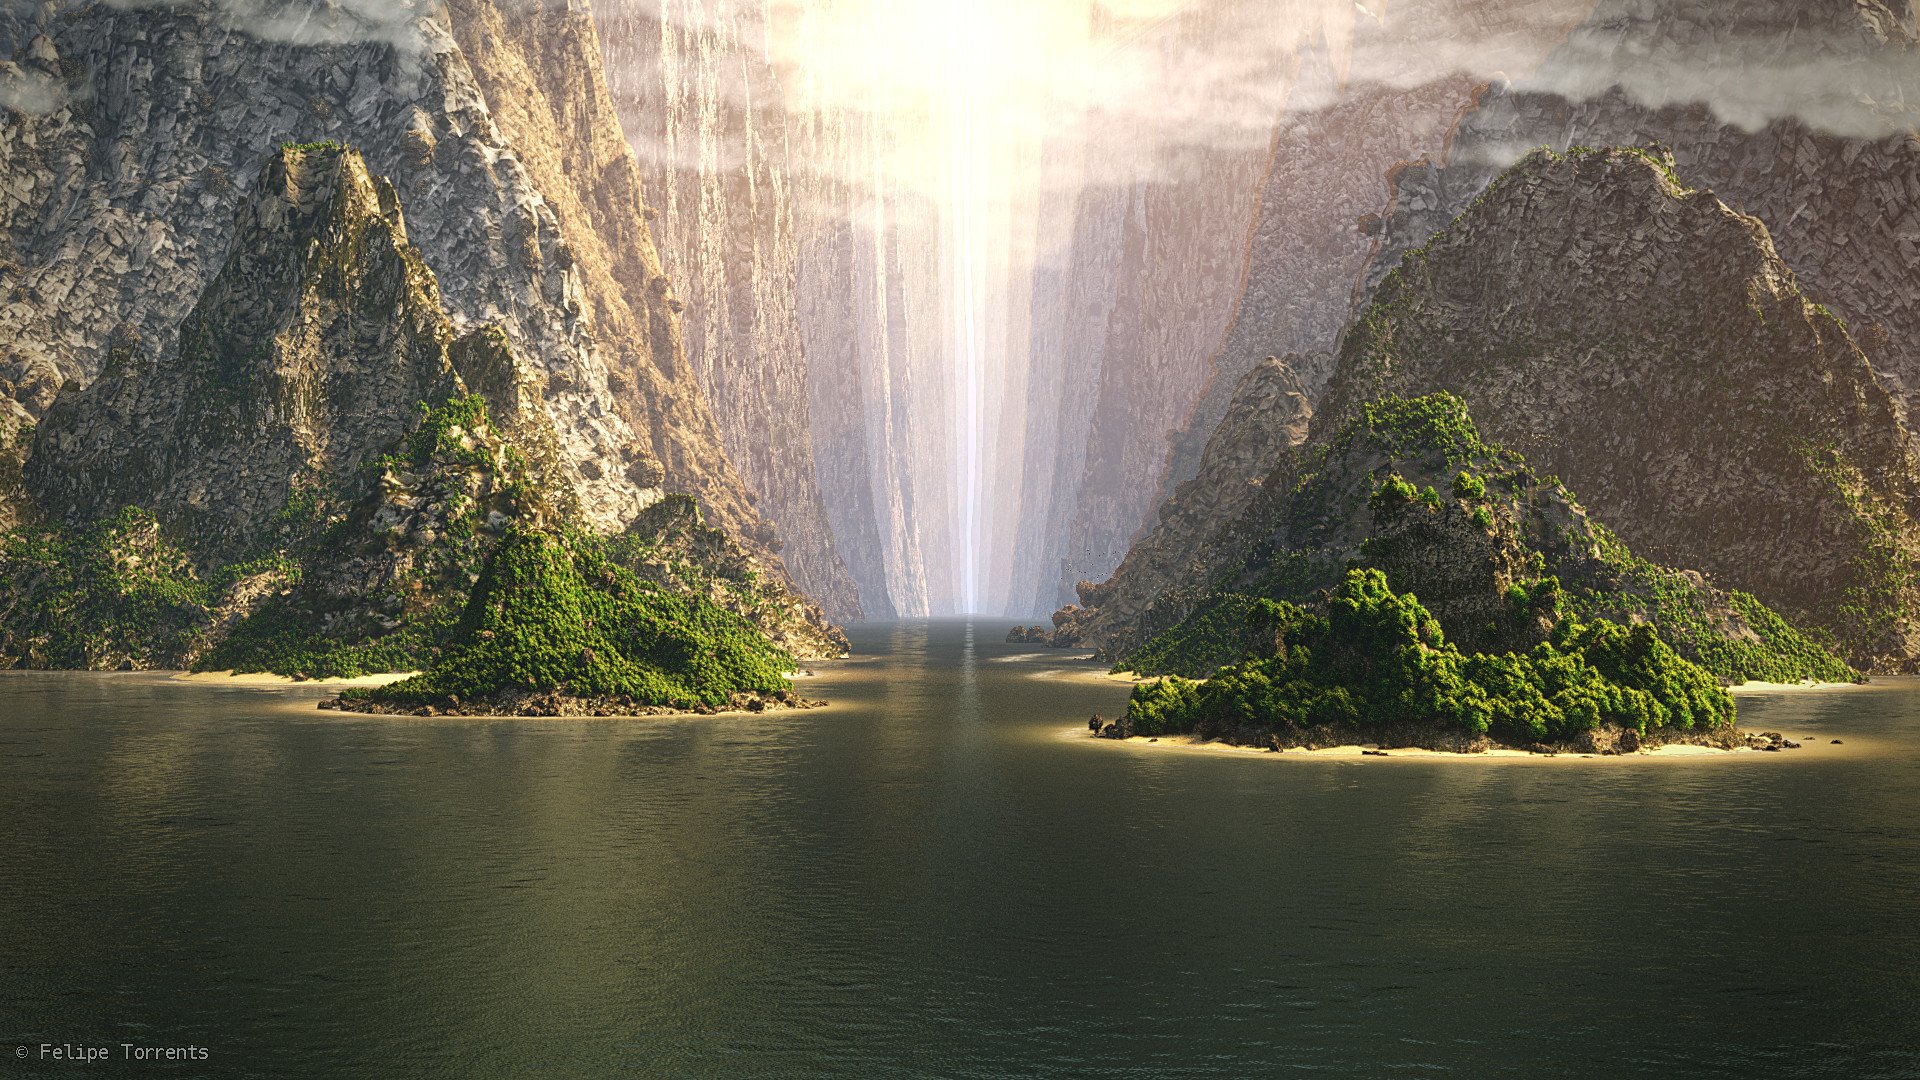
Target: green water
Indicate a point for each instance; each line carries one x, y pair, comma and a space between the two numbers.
937, 878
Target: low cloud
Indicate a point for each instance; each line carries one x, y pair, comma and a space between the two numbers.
403, 24
30, 91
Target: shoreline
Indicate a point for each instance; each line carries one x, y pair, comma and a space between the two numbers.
267, 679
1757, 687
546, 706
1368, 751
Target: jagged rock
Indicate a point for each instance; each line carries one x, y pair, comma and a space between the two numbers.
118, 205
1646, 343
309, 356
1800, 114
318, 417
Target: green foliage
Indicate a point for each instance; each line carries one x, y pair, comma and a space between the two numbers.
562, 613
1225, 629
1378, 659
321, 146
1566, 565
1639, 591
113, 592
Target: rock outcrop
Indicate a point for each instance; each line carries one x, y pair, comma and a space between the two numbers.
1498, 554
310, 355
1803, 115
119, 189
335, 467
1646, 343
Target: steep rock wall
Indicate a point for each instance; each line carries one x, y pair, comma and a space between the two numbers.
1803, 115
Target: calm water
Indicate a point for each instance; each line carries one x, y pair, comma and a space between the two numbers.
932, 880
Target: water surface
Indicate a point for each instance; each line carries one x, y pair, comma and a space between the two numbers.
931, 879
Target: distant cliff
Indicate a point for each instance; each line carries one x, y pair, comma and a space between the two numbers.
818, 344
1805, 115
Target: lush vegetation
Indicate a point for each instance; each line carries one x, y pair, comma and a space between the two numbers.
1772, 650
1498, 554
113, 593
565, 614
1377, 659
1226, 628
473, 584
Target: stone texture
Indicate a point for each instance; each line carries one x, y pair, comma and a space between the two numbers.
1648, 344
1838, 187
117, 207
816, 319
1570, 308
1196, 536
304, 361
703, 111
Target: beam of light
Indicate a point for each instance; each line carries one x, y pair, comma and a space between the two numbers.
970, 363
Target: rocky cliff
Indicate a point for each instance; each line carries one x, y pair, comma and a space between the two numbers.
816, 319
1566, 307
703, 110
1648, 344
326, 468
122, 181
1498, 554
1246, 257
305, 359
1802, 115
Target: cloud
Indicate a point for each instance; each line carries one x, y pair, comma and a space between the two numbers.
31, 91
406, 25
1832, 74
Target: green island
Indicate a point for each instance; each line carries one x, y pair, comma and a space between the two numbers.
1417, 585
499, 608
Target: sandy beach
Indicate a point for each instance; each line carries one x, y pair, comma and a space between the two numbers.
229, 678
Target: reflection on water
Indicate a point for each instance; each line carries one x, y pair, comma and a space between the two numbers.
928, 880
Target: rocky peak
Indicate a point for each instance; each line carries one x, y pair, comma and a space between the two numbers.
1800, 114
1646, 343
310, 354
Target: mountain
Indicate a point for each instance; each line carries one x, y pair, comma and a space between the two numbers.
1566, 308
317, 473
818, 345
125, 175
1801, 114
1171, 291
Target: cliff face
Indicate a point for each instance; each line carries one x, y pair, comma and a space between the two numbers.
703, 110
122, 189
1246, 257
1648, 344
1170, 250
304, 360
815, 319
1800, 114
718, 326
1569, 307
333, 467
